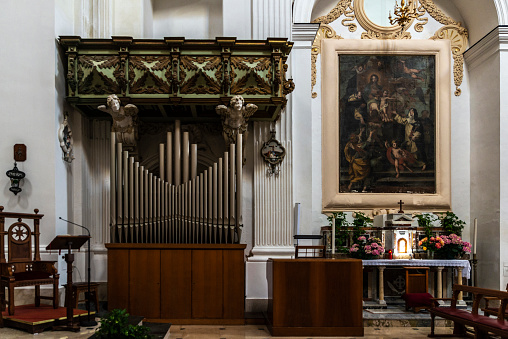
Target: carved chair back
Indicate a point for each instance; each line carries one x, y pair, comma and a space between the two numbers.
19, 237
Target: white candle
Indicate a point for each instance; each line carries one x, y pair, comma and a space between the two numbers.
475, 238
333, 235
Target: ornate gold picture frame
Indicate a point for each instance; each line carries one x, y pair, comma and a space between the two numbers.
336, 198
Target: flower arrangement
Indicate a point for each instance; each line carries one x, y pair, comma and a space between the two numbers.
367, 248
453, 247
431, 244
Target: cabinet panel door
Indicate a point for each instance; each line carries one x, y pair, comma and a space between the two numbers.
176, 284
118, 279
234, 284
207, 285
144, 289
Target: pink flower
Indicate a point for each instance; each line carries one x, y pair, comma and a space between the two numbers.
362, 238
374, 245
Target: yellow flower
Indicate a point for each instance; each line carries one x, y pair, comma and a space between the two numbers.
424, 248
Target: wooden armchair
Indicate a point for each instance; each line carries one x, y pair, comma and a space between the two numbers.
20, 268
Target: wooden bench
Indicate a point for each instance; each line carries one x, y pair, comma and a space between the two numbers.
491, 310
461, 318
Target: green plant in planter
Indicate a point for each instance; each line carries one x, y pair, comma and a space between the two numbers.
341, 231
425, 221
116, 325
359, 222
451, 224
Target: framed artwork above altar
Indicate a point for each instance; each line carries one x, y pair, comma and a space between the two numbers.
386, 124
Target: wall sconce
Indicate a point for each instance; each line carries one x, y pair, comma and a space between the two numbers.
273, 153
15, 175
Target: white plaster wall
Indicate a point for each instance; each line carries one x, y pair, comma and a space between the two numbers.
192, 19
128, 18
237, 19
485, 160
27, 65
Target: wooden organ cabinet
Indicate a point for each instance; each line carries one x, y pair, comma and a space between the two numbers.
178, 283
175, 252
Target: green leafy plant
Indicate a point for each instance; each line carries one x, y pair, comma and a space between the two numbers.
341, 230
360, 221
451, 224
116, 325
425, 221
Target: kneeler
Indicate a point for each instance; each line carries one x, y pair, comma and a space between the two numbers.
417, 287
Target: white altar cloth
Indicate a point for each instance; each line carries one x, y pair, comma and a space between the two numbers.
466, 267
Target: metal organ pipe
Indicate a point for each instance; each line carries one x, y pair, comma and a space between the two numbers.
181, 205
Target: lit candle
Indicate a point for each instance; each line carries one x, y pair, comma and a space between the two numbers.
475, 238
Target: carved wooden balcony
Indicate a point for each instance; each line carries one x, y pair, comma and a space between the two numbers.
175, 78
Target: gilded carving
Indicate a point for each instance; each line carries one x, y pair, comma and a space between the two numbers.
458, 37
71, 80
336, 12
200, 75
352, 9
251, 75
324, 32
349, 17
148, 74
96, 74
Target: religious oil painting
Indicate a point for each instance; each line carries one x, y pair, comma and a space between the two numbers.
387, 119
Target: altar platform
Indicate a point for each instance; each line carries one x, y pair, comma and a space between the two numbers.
37, 319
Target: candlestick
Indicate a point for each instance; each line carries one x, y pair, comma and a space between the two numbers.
475, 238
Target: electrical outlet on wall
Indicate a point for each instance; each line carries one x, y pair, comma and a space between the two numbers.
505, 269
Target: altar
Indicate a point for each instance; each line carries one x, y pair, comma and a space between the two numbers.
439, 283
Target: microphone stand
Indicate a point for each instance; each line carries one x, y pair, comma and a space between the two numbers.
88, 322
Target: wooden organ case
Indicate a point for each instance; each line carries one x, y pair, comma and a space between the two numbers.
175, 254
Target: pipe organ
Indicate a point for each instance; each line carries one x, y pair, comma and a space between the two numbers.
180, 206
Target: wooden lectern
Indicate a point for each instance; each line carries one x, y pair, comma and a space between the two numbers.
68, 242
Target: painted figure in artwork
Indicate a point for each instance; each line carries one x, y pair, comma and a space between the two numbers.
387, 146
235, 119
124, 120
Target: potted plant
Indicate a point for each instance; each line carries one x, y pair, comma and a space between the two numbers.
425, 221
453, 248
116, 325
451, 224
360, 220
341, 230
364, 248
431, 245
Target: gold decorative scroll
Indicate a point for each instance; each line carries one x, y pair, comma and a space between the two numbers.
458, 37
354, 9
336, 12
324, 32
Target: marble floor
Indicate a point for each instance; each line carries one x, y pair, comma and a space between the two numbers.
230, 332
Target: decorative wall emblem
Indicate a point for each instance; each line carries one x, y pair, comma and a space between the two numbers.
66, 140
273, 153
452, 31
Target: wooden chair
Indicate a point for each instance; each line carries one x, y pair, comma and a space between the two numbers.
310, 251
417, 288
20, 268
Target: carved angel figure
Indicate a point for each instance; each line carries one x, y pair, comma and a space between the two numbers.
124, 120
235, 119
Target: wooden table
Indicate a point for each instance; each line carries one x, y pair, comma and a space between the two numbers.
315, 297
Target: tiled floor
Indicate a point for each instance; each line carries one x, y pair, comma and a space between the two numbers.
231, 332
259, 331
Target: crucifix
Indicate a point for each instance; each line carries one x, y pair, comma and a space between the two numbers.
401, 203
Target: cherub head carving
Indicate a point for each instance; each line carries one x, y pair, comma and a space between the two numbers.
113, 102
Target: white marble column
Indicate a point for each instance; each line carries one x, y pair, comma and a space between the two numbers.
381, 300
273, 206
487, 64
94, 18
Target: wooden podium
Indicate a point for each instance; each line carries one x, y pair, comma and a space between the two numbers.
69, 243
315, 297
